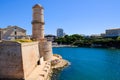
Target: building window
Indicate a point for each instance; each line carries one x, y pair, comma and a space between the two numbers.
15, 32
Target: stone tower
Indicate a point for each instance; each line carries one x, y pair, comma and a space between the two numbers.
38, 22
45, 47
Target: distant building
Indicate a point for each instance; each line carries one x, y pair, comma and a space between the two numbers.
95, 36
12, 32
103, 35
113, 32
50, 37
60, 32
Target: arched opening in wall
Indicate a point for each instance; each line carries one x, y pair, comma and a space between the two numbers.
38, 62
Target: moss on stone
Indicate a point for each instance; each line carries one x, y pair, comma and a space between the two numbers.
23, 40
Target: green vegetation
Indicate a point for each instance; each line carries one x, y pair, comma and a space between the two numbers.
82, 41
69, 39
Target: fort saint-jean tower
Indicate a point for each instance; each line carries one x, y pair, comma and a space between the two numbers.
38, 22
45, 47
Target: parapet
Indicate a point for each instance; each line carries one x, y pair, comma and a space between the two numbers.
37, 6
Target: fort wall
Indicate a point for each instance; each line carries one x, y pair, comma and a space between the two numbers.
18, 60
11, 60
30, 57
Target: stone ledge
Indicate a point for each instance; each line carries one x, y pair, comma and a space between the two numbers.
35, 21
60, 62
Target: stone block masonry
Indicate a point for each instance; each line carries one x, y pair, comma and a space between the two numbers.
38, 23
47, 50
10, 60
30, 57
18, 60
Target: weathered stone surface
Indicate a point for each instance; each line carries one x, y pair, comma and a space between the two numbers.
30, 56
11, 60
12, 32
38, 23
17, 60
47, 50
38, 31
40, 72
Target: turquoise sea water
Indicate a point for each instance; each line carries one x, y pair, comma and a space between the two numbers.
90, 64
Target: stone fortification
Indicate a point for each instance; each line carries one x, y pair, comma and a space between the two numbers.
11, 60
38, 22
30, 57
45, 47
48, 50
17, 60
41, 47
28, 61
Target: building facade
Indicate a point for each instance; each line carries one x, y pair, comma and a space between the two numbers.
50, 37
12, 32
113, 32
60, 32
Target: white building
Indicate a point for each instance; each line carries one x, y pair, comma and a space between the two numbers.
60, 32
113, 32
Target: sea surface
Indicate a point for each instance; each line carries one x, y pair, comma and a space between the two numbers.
89, 64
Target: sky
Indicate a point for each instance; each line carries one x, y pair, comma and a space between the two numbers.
74, 16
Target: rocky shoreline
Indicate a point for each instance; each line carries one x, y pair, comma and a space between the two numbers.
57, 64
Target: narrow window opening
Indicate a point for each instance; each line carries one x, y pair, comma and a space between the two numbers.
38, 63
15, 33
